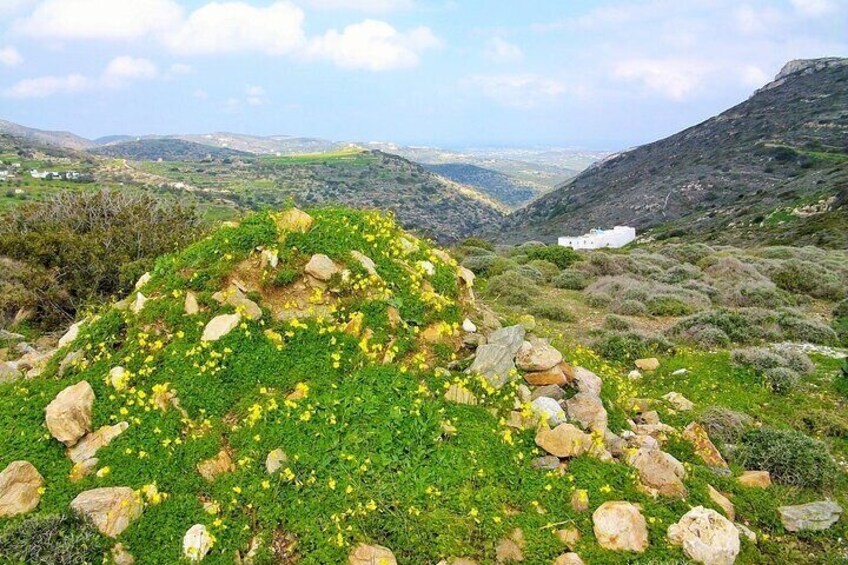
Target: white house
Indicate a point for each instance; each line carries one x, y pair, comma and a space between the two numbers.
619, 236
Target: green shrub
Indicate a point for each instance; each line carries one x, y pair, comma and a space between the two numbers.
781, 380
725, 425
840, 322
512, 288
571, 280
555, 312
804, 277
705, 336
796, 327
624, 346
52, 540
759, 359
548, 269
478, 242
630, 307
602, 264
667, 306
562, 257
791, 457
488, 265
614, 322
531, 273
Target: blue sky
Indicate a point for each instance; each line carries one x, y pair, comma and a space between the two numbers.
597, 75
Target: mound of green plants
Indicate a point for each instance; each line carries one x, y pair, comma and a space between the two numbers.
791, 457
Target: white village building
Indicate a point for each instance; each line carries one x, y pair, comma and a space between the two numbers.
619, 236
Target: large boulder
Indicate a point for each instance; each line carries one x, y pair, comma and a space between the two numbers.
552, 376
587, 381
495, 362
20, 488
293, 220
704, 447
537, 355
219, 326
620, 526
68, 416
658, 471
364, 554
321, 267
111, 510
565, 440
706, 537
588, 410
511, 337
814, 516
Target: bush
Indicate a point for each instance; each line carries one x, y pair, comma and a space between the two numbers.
571, 280
548, 269
562, 257
840, 322
630, 307
531, 273
812, 279
759, 359
781, 380
667, 306
555, 312
796, 360
613, 322
512, 288
96, 244
791, 457
724, 424
705, 337
478, 242
631, 344
742, 326
601, 264
798, 328
52, 540
488, 265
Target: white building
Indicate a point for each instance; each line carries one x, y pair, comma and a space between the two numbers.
619, 236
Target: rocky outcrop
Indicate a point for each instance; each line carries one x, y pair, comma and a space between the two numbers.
565, 440
620, 526
20, 488
68, 416
706, 537
111, 510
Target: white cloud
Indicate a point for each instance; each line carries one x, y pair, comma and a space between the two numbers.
523, 91
372, 6
237, 27
100, 19
180, 69
118, 73
672, 79
255, 95
374, 45
42, 87
10, 57
814, 8
499, 50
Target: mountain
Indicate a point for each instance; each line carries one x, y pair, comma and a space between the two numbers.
497, 185
55, 138
166, 149
276, 144
771, 169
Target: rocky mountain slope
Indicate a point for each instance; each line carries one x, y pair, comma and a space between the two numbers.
760, 170
498, 186
56, 138
166, 149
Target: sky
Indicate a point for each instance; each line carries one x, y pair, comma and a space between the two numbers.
455, 73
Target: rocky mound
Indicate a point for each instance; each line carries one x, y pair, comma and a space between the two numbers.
322, 388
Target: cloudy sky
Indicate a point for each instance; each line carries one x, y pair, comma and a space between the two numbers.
591, 74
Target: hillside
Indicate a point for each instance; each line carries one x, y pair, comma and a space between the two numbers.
55, 138
492, 183
166, 149
762, 170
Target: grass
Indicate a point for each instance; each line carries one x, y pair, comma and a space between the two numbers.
351, 156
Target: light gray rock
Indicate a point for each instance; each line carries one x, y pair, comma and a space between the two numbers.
495, 362
588, 410
511, 338
537, 355
219, 326
548, 409
587, 381
706, 537
815, 516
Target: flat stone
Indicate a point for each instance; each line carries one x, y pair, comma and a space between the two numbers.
547, 462
236, 298
814, 516
111, 510
510, 337
364, 554
620, 526
190, 305
197, 542
706, 537
548, 391
537, 355
495, 362
704, 447
755, 479
68, 416
679, 402
552, 376
210, 469
648, 364
87, 447
722, 502
138, 304
580, 500
321, 267
70, 335
565, 440
458, 394
568, 536
570, 558
588, 410
20, 488
366, 262
274, 461
658, 471
219, 326
587, 381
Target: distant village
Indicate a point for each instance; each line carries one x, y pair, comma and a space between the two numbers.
14, 171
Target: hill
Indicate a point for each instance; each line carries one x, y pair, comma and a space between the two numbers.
492, 183
55, 138
166, 149
771, 169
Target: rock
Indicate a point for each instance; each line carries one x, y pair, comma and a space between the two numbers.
747, 532
197, 542
548, 410
588, 410
546, 462
650, 418
118, 377
679, 402
553, 376
293, 220
587, 381
110, 509
658, 471
83, 469
565, 440
580, 500
755, 479
219, 326
679, 372
468, 326
364, 554
142, 280
634, 375
568, 559
495, 363
548, 391
511, 337
706, 537
191, 306
537, 355
457, 561
20, 488
568, 536
9, 372
458, 394
814, 516
121, 556
614, 444
210, 469
68, 416
466, 276
269, 258
321, 267
522, 421
275, 460
509, 550
70, 335
72, 359
6, 335
704, 447
87, 447
619, 526
366, 263
722, 502
236, 298
138, 304
648, 364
